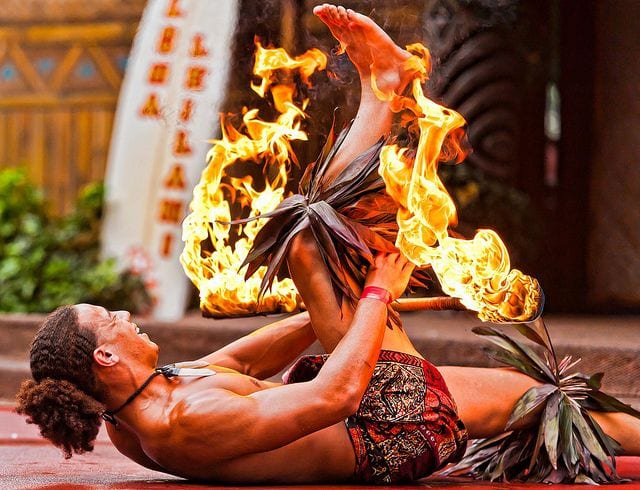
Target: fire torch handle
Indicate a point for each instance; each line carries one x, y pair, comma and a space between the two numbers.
434, 304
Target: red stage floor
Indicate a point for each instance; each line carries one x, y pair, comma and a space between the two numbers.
28, 462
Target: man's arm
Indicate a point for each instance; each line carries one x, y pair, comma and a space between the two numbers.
269, 349
272, 418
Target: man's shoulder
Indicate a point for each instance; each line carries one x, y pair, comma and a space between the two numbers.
193, 406
195, 420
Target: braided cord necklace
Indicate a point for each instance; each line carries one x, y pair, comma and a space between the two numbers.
168, 371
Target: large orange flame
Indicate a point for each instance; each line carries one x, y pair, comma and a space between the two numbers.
216, 274
477, 271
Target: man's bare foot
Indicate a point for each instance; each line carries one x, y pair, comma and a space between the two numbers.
371, 50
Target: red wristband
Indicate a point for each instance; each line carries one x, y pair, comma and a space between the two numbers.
375, 292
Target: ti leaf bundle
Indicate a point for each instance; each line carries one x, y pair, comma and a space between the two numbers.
351, 218
567, 445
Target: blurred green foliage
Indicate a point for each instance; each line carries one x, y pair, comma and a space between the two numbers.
49, 261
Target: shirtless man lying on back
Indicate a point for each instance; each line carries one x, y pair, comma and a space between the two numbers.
372, 411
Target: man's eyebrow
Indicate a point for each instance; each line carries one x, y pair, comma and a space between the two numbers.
110, 316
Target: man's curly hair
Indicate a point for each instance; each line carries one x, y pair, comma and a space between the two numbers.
64, 398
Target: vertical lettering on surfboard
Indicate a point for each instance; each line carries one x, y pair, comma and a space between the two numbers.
167, 110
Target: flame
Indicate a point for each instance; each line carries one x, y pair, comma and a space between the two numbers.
477, 271
216, 274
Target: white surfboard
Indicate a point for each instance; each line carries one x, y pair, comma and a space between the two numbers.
168, 109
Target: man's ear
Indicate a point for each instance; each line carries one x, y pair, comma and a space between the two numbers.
104, 357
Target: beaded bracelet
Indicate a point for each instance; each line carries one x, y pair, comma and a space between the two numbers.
375, 292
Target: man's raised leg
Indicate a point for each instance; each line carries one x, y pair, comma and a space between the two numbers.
374, 54
329, 319
362, 39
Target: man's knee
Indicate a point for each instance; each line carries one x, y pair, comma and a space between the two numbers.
303, 248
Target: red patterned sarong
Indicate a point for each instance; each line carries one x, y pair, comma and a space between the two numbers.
407, 424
